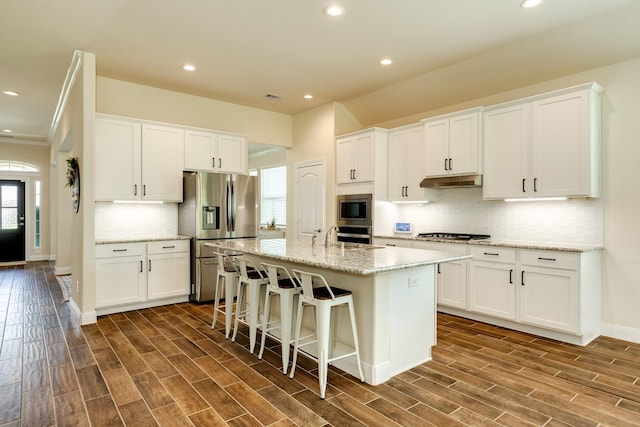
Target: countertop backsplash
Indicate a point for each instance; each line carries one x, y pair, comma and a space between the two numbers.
462, 210
134, 220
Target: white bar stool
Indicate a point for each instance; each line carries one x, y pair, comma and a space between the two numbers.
228, 272
323, 298
252, 278
288, 289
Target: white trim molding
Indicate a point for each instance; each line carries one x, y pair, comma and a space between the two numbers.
624, 333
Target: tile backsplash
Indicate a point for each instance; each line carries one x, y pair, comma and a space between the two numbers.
118, 220
462, 210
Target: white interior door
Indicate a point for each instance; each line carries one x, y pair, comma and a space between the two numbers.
309, 198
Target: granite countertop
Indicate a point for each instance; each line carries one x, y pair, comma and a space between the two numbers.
357, 259
561, 247
139, 239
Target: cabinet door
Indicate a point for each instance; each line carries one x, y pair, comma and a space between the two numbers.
549, 297
117, 160
452, 284
463, 144
396, 166
232, 154
344, 160
436, 137
162, 148
363, 152
199, 150
506, 138
414, 164
492, 289
120, 280
168, 275
560, 146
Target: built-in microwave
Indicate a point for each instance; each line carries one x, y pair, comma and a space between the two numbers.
355, 210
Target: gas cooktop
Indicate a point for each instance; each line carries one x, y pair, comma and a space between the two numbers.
454, 236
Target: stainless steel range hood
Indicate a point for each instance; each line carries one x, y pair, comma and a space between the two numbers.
452, 181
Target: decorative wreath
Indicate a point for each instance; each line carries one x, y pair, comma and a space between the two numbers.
73, 181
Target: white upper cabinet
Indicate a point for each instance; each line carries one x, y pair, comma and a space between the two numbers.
135, 161
406, 167
453, 144
355, 158
215, 152
545, 146
117, 164
162, 163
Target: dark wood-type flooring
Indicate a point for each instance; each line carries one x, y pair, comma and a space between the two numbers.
165, 366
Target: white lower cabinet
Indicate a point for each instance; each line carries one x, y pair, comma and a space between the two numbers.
548, 291
492, 288
451, 277
134, 275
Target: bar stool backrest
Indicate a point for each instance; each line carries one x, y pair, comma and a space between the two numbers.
273, 273
225, 263
307, 280
247, 265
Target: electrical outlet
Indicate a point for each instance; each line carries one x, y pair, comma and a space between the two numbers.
413, 282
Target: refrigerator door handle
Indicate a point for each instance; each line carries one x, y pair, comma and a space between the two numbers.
233, 206
228, 206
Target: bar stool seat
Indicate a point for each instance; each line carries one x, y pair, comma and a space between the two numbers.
287, 288
251, 281
323, 298
228, 273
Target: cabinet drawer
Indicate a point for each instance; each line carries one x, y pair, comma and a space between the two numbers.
167, 246
113, 250
567, 261
493, 254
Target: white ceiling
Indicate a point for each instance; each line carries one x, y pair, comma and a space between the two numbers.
445, 51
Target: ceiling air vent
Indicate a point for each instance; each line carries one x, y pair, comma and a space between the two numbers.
273, 96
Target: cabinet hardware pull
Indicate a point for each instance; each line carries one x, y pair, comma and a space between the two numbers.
149, 265
535, 185
140, 266
144, 189
135, 189
450, 164
210, 262
445, 164
439, 269
491, 253
390, 244
511, 276
169, 247
213, 162
219, 162
354, 174
119, 250
523, 189
522, 278
546, 259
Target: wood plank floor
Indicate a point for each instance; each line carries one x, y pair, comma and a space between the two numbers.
165, 366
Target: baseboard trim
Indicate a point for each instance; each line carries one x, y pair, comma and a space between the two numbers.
61, 271
624, 333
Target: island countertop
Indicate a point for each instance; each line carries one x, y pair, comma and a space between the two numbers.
354, 259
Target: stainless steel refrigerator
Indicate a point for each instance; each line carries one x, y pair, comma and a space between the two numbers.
215, 206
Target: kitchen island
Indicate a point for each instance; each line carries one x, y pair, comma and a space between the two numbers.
394, 293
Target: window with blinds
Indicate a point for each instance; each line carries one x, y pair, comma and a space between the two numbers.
273, 190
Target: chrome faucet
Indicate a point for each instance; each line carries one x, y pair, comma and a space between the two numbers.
330, 236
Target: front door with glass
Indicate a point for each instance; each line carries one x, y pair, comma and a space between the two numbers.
12, 237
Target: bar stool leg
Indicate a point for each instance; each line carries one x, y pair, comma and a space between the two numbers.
240, 303
287, 300
265, 323
297, 337
254, 301
352, 315
228, 304
216, 302
323, 330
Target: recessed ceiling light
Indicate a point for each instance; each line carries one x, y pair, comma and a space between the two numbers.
386, 61
11, 92
188, 67
333, 10
530, 3
308, 96
7, 130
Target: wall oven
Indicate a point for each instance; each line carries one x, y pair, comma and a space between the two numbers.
355, 218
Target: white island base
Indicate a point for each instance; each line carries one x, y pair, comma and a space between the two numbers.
395, 317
